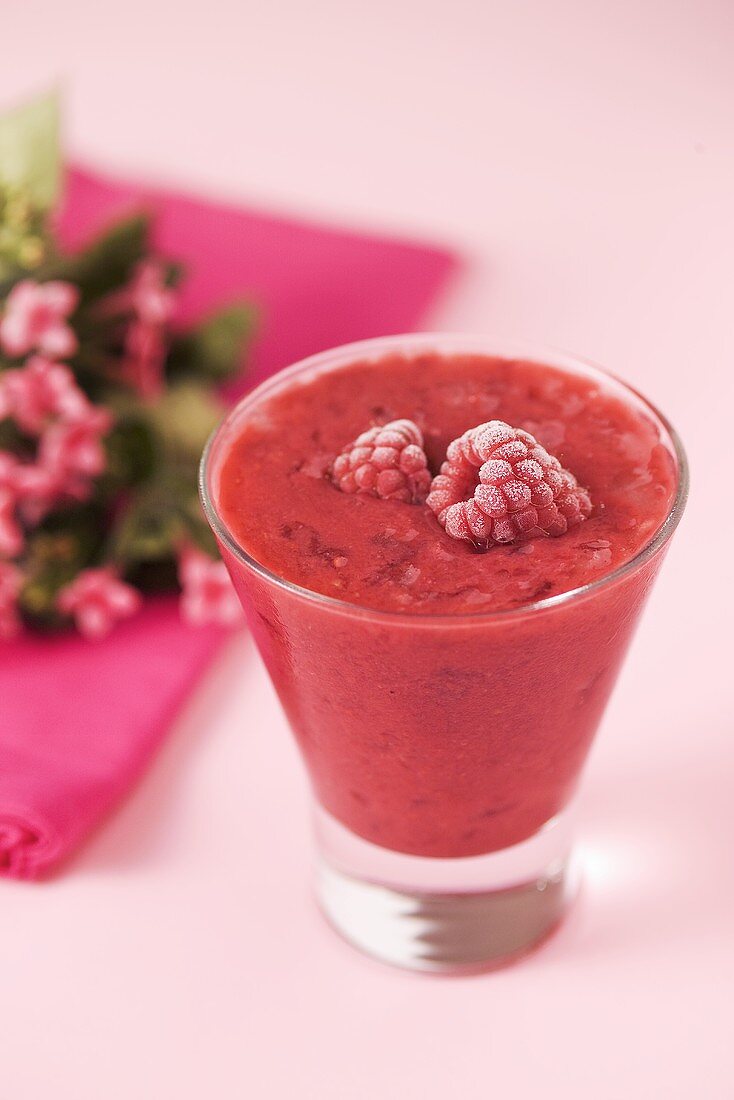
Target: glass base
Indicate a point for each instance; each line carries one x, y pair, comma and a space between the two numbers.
445, 916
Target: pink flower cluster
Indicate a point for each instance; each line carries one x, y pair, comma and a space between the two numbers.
97, 598
146, 347
43, 399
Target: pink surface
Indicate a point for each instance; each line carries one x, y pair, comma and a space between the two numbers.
80, 720
583, 153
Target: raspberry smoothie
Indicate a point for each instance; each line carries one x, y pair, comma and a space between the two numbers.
444, 694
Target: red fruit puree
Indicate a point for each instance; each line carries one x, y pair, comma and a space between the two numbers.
441, 728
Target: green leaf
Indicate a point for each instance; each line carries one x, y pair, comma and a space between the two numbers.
154, 576
30, 159
12, 439
197, 527
65, 542
131, 452
148, 530
108, 262
214, 349
184, 417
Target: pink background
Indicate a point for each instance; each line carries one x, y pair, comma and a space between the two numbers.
582, 156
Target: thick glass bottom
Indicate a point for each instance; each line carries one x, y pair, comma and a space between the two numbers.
445, 916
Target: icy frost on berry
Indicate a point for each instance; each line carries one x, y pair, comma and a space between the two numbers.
498, 484
387, 462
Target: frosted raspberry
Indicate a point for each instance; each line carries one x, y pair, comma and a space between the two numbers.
387, 462
499, 485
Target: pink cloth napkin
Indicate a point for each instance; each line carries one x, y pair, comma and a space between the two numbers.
78, 720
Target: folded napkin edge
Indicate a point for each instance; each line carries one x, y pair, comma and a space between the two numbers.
29, 844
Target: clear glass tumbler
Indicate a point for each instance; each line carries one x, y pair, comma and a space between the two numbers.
398, 704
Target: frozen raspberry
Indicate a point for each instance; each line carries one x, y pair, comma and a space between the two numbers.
499, 485
387, 462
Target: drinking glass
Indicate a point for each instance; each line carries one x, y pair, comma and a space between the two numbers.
443, 750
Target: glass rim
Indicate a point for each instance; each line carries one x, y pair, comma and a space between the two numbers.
458, 343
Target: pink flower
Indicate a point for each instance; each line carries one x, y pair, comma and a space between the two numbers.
9, 467
11, 582
11, 535
39, 391
35, 319
150, 298
146, 345
6, 407
145, 356
207, 594
37, 490
32, 487
45, 400
72, 452
97, 599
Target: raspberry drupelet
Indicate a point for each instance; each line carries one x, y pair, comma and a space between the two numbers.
498, 484
387, 462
